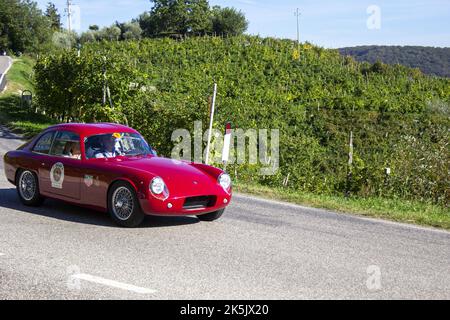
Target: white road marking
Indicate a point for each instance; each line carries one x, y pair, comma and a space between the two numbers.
1, 254
112, 283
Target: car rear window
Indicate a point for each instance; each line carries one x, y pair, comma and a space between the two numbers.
66, 144
44, 143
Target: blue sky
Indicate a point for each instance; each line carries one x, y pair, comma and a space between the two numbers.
327, 23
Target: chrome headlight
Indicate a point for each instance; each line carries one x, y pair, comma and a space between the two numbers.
157, 186
225, 181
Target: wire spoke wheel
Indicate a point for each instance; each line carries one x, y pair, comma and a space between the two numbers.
122, 203
27, 185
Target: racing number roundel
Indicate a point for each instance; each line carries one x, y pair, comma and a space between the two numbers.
57, 175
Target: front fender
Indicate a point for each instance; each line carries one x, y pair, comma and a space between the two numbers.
210, 170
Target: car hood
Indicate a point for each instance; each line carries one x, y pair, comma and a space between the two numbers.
178, 175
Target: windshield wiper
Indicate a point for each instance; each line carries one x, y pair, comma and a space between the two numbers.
135, 154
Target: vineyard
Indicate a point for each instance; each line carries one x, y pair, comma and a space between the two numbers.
399, 118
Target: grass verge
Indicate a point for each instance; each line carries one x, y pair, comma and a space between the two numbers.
399, 210
12, 114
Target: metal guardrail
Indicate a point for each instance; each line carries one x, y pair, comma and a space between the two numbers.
2, 82
3, 77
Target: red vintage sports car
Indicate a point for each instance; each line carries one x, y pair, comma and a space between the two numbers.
112, 168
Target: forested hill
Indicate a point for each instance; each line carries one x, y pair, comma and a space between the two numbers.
430, 60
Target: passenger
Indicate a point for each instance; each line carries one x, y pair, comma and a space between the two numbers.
72, 150
75, 152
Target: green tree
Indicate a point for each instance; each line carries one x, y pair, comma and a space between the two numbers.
147, 22
88, 36
131, 31
6, 13
198, 17
64, 39
23, 26
52, 14
111, 33
176, 17
228, 21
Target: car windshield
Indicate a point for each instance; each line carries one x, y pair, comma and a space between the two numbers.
112, 145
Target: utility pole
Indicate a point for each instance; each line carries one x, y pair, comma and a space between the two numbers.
69, 15
297, 14
350, 164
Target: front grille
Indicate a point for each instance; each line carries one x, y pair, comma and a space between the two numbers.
199, 202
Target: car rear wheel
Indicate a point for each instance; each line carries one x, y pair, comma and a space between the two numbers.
211, 216
123, 205
27, 186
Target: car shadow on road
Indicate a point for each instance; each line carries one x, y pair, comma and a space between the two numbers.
62, 211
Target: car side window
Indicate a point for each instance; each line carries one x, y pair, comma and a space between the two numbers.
66, 144
44, 143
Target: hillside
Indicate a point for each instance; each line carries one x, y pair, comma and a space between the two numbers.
430, 60
12, 113
398, 116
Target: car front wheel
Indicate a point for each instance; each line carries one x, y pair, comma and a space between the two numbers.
27, 186
211, 216
123, 205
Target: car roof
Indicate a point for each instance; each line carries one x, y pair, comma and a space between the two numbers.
88, 129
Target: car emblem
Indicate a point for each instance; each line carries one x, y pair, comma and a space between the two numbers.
88, 180
195, 182
57, 175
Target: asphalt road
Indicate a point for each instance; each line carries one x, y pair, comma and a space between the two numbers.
258, 250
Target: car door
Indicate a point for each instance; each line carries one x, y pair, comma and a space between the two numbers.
95, 182
60, 172
41, 152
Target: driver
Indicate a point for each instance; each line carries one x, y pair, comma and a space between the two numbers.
107, 150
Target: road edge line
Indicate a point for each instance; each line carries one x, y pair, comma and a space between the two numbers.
346, 214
